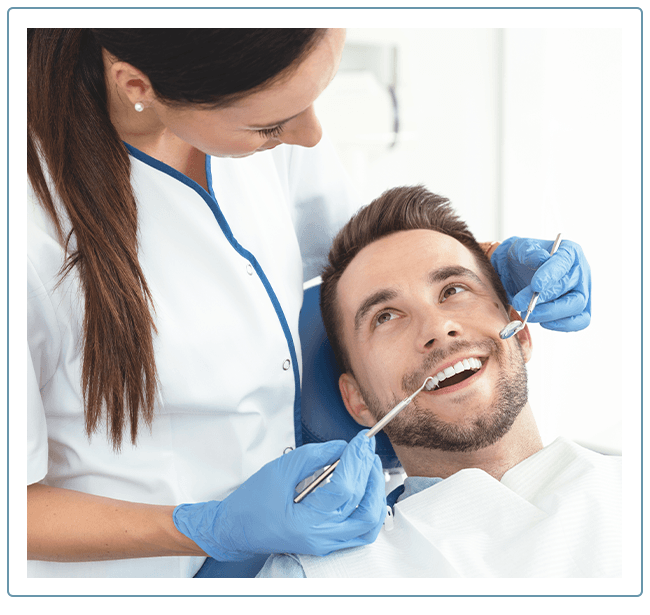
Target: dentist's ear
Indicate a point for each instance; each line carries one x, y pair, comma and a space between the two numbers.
524, 337
354, 402
131, 82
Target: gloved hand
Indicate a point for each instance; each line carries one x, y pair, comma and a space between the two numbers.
563, 281
261, 516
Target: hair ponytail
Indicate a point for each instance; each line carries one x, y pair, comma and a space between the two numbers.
67, 118
69, 128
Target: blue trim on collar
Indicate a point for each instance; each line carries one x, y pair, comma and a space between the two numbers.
208, 174
165, 168
211, 201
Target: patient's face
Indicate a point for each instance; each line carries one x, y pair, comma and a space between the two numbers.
414, 304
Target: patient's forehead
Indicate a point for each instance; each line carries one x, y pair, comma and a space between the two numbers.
401, 259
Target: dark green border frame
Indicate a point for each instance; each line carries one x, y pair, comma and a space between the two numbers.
631, 22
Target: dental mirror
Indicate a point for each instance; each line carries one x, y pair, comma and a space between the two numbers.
514, 326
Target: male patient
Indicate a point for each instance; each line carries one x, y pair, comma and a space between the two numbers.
409, 294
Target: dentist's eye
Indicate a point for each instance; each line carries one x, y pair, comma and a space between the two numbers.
452, 289
271, 133
384, 317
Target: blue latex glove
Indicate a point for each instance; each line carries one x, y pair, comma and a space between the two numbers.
261, 516
563, 281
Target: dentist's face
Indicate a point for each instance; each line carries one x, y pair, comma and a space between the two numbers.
415, 304
281, 113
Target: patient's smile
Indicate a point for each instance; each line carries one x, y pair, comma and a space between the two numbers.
455, 374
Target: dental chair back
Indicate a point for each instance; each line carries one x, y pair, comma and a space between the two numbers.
323, 414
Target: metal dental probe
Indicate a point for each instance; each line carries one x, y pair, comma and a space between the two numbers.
374, 429
514, 326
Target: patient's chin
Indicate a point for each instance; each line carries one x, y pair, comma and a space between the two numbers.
474, 429
431, 433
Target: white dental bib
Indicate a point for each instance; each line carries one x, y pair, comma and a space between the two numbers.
556, 514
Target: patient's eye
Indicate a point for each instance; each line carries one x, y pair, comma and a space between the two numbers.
452, 289
383, 317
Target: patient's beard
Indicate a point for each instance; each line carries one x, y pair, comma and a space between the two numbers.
418, 427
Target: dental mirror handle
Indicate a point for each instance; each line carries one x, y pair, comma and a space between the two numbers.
533, 301
309, 488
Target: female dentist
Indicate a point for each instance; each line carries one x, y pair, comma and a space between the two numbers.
165, 271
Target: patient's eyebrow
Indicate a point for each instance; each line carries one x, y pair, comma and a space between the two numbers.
434, 277
385, 294
440, 275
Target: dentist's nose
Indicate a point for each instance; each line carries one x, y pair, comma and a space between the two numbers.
304, 130
437, 330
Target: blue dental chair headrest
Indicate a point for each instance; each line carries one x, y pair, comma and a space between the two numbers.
323, 414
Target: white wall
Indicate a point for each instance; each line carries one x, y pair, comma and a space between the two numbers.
449, 137
562, 172
522, 129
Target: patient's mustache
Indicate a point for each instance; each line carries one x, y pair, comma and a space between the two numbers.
414, 380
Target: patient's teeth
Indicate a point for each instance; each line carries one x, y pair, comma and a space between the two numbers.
448, 372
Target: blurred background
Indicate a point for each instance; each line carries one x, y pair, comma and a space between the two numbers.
522, 129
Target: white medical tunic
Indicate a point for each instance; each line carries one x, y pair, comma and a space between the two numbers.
225, 269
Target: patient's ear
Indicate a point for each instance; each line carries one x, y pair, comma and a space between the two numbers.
354, 401
523, 336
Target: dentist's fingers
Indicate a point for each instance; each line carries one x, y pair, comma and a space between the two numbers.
572, 304
572, 323
552, 269
312, 458
348, 483
364, 524
372, 508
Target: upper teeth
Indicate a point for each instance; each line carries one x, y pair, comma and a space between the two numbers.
459, 367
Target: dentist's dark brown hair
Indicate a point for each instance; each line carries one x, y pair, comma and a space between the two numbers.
80, 172
400, 209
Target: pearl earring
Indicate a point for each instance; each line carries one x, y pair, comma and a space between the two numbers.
139, 107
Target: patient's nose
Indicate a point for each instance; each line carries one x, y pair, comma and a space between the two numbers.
437, 330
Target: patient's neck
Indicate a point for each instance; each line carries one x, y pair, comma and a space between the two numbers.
521, 441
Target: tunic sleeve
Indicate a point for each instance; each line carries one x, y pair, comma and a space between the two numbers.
36, 428
282, 566
43, 345
324, 200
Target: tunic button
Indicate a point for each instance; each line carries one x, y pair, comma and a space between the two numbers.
249, 269
286, 365
287, 450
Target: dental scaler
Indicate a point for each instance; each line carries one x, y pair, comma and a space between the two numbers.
428, 384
